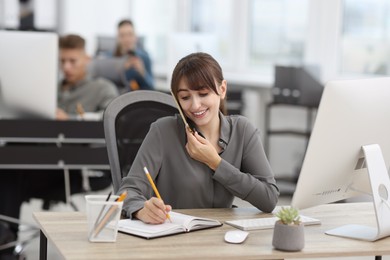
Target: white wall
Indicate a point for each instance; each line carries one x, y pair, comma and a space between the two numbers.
322, 43
90, 18
45, 14
9, 13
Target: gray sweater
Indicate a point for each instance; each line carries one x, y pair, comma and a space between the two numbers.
186, 183
93, 94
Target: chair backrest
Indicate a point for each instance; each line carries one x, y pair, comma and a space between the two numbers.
297, 86
127, 121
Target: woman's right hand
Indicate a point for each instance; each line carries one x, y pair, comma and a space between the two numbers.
154, 211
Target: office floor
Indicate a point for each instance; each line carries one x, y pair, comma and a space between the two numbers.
32, 249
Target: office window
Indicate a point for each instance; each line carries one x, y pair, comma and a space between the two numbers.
154, 21
215, 17
365, 38
277, 31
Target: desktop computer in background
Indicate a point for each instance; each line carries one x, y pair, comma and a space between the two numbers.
28, 74
349, 153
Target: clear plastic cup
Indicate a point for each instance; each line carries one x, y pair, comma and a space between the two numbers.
103, 217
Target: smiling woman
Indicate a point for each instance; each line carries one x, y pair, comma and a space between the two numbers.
201, 96
222, 159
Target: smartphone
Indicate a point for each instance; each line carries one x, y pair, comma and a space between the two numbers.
131, 53
182, 115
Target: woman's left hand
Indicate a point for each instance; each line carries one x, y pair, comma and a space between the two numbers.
202, 150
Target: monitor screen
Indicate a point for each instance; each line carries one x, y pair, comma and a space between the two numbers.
28, 74
111, 68
352, 113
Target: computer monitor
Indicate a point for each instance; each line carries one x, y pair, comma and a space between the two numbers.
111, 68
28, 74
349, 152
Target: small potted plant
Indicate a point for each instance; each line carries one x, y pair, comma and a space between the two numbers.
288, 231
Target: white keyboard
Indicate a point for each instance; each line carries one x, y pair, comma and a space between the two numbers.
265, 223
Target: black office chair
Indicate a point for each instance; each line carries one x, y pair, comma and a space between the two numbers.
8, 245
126, 122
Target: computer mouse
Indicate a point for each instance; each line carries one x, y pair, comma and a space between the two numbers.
236, 236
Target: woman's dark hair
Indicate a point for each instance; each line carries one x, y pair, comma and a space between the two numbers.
199, 70
117, 52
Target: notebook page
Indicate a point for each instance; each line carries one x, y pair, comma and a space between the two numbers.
137, 225
140, 228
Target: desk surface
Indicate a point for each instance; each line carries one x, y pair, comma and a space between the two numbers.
68, 232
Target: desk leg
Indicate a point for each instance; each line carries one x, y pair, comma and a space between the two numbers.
42, 246
378, 257
67, 186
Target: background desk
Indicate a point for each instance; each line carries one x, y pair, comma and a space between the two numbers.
51, 144
68, 233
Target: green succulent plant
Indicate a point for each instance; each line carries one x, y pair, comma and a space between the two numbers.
289, 216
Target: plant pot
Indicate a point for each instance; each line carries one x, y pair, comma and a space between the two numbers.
288, 237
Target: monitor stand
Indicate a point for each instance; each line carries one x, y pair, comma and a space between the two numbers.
380, 186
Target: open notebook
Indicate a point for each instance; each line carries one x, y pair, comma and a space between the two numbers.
181, 223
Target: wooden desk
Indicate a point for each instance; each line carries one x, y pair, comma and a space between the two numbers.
68, 233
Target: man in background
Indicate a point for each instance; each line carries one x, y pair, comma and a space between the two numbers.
78, 93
